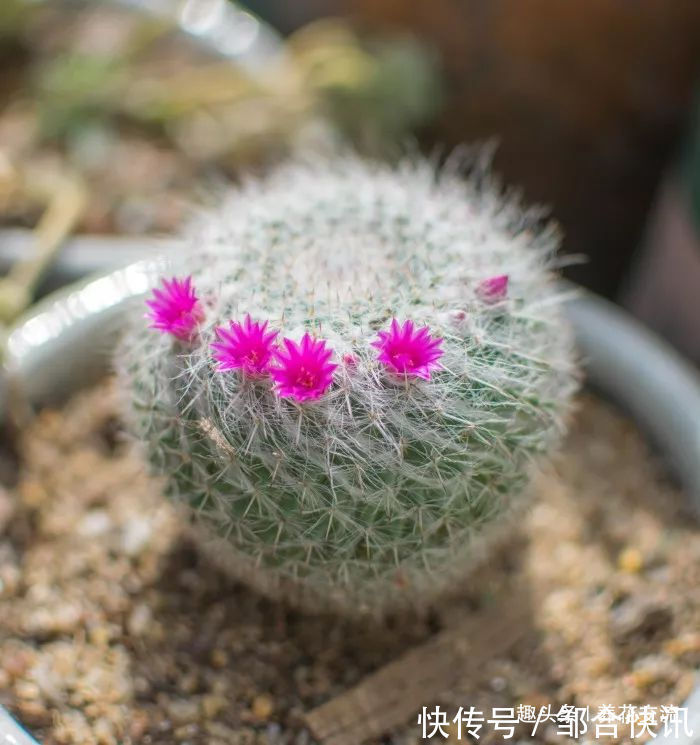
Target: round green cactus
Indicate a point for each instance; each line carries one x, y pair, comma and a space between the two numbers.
389, 481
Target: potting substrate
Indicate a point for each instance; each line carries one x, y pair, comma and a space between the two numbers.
116, 629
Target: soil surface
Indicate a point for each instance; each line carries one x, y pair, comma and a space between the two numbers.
115, 629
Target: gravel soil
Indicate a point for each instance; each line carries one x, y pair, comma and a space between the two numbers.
115, 629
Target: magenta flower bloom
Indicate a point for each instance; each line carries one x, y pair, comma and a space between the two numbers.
303, 371
248, 346
175, 308
493, 289
408, 351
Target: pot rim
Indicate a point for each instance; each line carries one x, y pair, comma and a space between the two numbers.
628, 363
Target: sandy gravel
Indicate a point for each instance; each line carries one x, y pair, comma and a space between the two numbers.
114, 629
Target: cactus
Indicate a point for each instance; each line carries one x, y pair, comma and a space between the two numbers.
391, 480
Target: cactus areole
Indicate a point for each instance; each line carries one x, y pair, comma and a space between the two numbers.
348, 374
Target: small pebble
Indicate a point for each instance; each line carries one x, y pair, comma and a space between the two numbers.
136, 536
630, 560
185, 732
219, 658
262, 707
100, 635
183, 711
32, 493
26, 690
94, 523
211, 705
139, 619
686, 644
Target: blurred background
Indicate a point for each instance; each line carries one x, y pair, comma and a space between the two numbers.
117, 117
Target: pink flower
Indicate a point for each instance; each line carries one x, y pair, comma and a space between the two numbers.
407, 351
493, 289
349, 360
247, 345
175, 309
303, 371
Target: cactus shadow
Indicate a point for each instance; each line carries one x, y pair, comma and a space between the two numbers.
228, 637
213, 607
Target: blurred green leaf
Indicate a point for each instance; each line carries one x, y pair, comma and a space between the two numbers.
13, 14
74, 89
402, 92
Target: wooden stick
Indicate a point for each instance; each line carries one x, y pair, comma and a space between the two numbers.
391, 696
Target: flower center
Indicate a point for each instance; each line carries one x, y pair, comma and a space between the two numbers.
305, 378
181, 314
403, 360
189, 314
